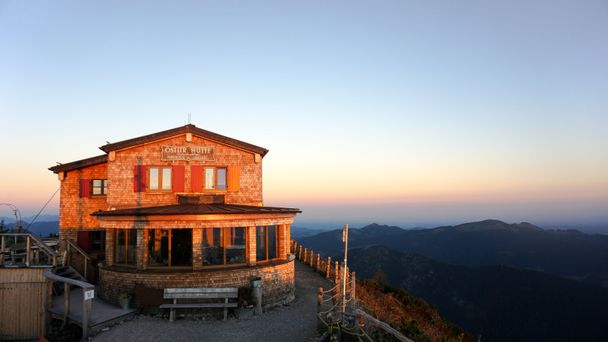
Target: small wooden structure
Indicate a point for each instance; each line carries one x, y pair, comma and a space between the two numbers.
23, 300
200, 294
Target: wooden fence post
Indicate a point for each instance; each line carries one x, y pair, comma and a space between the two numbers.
318, 261
337, 273
28, 251
338, 291
66, 303
353, 286
328, 272
319, 299
2, 248
86, 316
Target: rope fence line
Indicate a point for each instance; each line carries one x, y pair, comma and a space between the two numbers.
341, 318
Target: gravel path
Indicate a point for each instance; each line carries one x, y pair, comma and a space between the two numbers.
296, 322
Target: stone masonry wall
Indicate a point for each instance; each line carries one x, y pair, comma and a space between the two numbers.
278, 281
74, 210
121, 173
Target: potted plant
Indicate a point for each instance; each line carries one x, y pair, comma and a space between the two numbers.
125, 300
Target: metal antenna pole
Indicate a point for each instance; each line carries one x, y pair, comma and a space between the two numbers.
345, 238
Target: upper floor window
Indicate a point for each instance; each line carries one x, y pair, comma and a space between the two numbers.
215, 178
99, 187
159, 178
93, 187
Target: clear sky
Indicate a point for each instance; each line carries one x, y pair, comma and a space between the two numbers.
389, 111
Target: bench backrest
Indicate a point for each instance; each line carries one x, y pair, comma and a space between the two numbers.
202, 293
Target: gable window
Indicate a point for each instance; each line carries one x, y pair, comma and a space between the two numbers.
215, 178
159, 178
99, 187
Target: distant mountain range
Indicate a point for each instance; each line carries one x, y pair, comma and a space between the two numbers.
42, 229
495, 303
567, 253
499, 281
300, 232
28, 219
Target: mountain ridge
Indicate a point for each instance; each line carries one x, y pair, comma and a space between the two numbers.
566, 253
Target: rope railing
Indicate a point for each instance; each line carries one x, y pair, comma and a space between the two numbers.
336, 315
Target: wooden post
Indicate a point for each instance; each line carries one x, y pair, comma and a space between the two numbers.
310, 257
68, 256
319, 299
337, 273
47, 305
318, 261
2, 248
328, 272
320, 325
86, 316
305, 253
28, 251
337, 293
66, 302
353, 286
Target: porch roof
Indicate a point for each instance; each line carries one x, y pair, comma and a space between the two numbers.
197, 209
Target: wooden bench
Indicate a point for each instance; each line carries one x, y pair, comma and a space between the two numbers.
200, 294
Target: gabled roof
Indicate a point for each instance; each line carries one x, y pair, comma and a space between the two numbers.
182, 130
197, 209
79, 164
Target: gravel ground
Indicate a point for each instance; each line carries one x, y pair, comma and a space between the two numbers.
296, 322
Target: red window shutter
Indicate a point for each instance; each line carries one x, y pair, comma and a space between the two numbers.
196, 178
139, 178
85, 188
177, 178
234, 178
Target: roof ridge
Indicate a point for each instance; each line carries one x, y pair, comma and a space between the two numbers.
189, 128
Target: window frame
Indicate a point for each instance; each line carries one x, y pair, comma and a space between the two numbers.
215, 178
224, 249
276, 238
126, 247
160, 178
104, 187
169, 264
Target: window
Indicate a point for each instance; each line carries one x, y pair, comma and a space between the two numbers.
100, 187
169, 247
125, 246
209, 178
223, 246
215, 178
159, 178
266, 242
221, 178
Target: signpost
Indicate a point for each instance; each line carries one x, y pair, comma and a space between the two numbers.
345, 240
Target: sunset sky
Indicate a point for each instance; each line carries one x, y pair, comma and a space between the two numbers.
400, 112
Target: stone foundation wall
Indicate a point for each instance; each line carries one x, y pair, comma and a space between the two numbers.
278, 282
